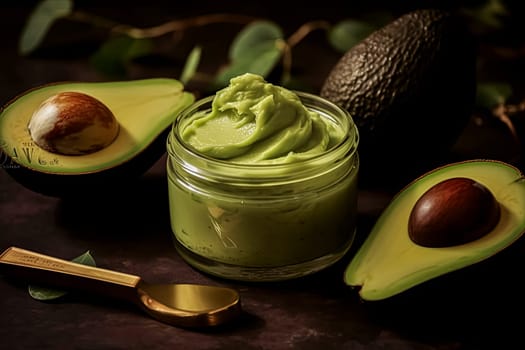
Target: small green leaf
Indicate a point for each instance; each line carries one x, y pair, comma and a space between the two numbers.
490, 14
346, 34
113, 56
260, 63
85, 259
490, 95
190, 67
40, 20
258, 35
45, 293
256, 49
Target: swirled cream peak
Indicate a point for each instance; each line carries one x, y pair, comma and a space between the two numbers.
253, 121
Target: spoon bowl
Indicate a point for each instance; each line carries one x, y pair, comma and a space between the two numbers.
184, 305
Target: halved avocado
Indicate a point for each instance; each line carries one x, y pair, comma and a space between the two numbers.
389, 262
144, 110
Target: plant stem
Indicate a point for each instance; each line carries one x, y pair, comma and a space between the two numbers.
306, 29
96, 21
182, 24
162, 29
295, 39
503, 113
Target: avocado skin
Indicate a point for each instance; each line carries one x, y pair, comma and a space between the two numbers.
410, 88
92, 184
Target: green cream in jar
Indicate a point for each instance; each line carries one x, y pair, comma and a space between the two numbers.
262, 182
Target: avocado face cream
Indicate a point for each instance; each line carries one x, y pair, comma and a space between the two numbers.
262, 182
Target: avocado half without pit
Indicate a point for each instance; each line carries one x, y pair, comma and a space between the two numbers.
447, 219
86, 137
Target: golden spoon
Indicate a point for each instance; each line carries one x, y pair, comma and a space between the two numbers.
185, 305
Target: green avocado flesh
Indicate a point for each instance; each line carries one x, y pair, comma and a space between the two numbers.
389, 262
143, 109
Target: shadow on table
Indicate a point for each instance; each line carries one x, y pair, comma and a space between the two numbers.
481, 305
141, 206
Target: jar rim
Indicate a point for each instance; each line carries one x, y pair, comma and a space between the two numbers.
346, 147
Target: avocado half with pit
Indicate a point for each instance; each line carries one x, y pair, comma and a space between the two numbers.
84, 137
449, 218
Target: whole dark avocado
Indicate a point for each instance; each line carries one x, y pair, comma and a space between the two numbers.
410, 87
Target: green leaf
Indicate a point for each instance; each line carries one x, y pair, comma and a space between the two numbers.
45, 293
190, 67
490, 95
490, 14
346, 34
85, 259
260, 63
114, 55
258, 35
40, 20
256, 49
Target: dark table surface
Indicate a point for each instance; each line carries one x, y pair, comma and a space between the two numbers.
131, 233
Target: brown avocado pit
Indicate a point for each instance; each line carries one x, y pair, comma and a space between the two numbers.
455, 211
73, 123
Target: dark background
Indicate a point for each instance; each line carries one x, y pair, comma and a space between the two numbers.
69, 44
480, 308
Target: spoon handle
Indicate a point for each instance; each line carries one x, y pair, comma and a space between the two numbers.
56, 272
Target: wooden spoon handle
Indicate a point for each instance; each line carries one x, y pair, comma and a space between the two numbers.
51, 271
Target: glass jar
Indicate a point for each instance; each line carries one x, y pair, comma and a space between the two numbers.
264, 222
